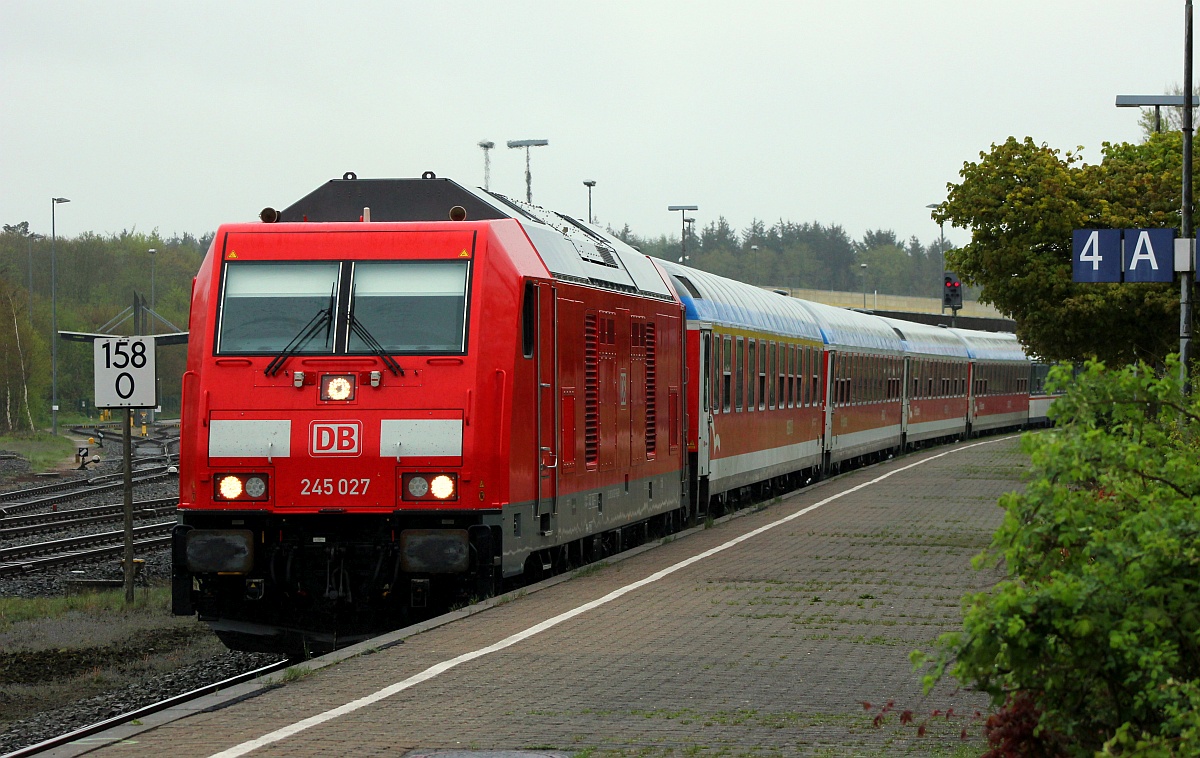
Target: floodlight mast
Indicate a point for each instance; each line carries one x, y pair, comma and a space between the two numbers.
683, 209
487, 163
528, 143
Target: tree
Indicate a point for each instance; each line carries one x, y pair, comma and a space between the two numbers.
21, 376
1097, 624
1021, 202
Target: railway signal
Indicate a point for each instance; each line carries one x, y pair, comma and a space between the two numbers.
951, 291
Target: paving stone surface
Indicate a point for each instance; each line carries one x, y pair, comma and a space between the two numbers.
766, 648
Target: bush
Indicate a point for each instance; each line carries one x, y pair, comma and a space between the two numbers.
1096, 629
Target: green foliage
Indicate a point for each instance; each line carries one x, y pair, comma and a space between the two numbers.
105, 605
805, 256
1099, 616
96, 279
43, 450
1022, 201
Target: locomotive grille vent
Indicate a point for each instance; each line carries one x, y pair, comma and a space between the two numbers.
651, 390
591, 392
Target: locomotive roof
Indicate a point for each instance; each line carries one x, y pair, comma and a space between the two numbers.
712, 298
923, 339
570, 249
992, 346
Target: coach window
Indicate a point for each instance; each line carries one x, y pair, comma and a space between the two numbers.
762, 377
266, 307
751, 372
738, 393
727, 374
410, 307
774, 370
816, 357
791, 375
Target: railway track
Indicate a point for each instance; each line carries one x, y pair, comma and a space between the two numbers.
139, 713
46, 496
16, 526
25, 558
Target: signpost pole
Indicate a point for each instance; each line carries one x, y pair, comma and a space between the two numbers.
1186, 278
128, 505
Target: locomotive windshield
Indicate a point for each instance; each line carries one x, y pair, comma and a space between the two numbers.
267, 305
416, 307
396, 307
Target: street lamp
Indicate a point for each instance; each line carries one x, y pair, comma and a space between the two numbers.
864, 273
589, 183
528, 143
683, 209
54, 201
487, 163
29, 238
1186, 232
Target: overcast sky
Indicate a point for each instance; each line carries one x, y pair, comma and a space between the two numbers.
180, 116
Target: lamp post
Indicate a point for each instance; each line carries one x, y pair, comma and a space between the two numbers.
863, 266
528, 143
29, 238
153, 316
941, 248
487, 163
54, 201
683, 220
1186, 232
589, 183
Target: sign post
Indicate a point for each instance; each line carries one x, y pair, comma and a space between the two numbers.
126, 378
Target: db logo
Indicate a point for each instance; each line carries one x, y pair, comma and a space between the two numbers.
335, 438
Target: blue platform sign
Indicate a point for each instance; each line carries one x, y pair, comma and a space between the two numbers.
1149, 255
1096, 255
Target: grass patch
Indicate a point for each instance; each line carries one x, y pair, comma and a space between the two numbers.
42, 449
590, 569
103, 605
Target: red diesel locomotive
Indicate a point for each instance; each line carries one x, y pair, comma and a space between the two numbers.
402, 393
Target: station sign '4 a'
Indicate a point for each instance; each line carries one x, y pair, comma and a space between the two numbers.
1123, 255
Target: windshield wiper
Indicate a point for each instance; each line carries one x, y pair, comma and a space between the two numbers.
376, 348
318, 322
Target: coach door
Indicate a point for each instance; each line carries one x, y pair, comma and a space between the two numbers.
707, 390
546, 360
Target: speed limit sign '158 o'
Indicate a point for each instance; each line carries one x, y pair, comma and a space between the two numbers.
125, 373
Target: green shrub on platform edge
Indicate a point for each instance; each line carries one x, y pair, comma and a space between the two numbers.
1092, 641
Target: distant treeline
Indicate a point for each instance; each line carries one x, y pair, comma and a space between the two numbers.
805, 256
96, 279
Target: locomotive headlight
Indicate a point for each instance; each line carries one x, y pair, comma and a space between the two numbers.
229, 487
241, 486
255, 486
442, 487
418, 486
337, 387
429, 486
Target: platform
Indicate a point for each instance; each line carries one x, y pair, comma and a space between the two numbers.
762, 635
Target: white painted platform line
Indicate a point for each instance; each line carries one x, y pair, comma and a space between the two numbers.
441, 668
